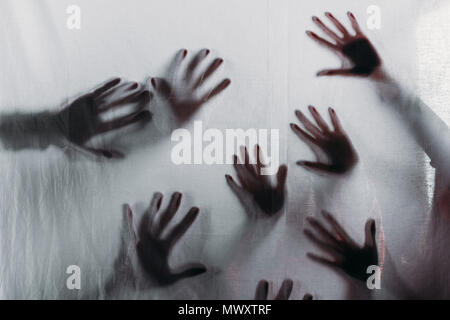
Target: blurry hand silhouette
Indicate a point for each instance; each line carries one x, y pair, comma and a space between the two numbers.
81, 120
347, 256
153, 243
185, 92
269, 198
262, 291
333, 148
358, 56
444, 204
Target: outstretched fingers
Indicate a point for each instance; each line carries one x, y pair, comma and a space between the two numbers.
318, 118
108, 85
162, 87
327, 235
237, 189
338, 25
327, 247
139, 116
281, 178
327, 30
246, 177
166, 216
335, 120
192, 66
180, 229
343, 235
313, 130
323, 261
148, 219
216, 90
209, 71
355, 24
322, 41
303, 135
285, 291
137, 96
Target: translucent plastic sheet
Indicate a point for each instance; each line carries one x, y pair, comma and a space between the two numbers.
57, 211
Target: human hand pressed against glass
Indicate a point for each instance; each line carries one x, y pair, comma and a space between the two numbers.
185, 93
262, 291
152, 244
81, 120
334, 150
346, 255
358, 55
269, 198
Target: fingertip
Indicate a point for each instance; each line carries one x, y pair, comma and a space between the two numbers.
133, 86
177, 197
116, 80
282, 171
325, 213
372, 226
145, 116
307, 297
159, 197
158, 205
107, 154
265, 285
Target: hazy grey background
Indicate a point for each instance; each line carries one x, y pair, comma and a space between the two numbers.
56, 213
